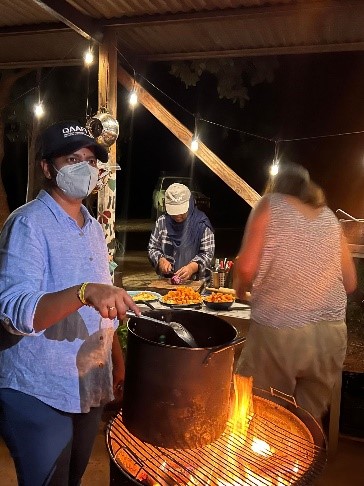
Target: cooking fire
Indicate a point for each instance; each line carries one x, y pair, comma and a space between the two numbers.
263, 444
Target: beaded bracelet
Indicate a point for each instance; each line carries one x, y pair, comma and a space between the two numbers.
81, 293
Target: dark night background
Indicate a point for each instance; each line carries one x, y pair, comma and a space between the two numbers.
311, 95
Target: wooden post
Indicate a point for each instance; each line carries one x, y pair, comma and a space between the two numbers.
184, 135
108, 100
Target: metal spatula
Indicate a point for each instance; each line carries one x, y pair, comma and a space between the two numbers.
180, 330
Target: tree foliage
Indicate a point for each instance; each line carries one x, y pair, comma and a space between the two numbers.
233, 76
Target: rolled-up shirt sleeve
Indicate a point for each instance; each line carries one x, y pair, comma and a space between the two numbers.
158, 244
155, 250
22, 268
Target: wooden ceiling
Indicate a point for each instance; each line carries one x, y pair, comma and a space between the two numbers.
57, 32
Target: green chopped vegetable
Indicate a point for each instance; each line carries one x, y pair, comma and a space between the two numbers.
122, 332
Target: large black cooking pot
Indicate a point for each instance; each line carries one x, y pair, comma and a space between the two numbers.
176, 396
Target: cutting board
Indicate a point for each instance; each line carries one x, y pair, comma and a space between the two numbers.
165, 283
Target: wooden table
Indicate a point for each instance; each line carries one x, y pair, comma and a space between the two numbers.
161, 284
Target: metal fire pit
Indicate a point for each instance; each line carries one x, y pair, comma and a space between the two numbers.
297, 455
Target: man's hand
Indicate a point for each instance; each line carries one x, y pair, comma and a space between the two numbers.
109, 301
186, 272
164, 265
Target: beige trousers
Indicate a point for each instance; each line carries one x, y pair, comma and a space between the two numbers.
303, 362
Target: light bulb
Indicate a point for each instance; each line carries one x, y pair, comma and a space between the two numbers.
194, 144
88, 57
38, 110
133, 98
274, 168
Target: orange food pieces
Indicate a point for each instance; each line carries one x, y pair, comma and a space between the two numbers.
217, 297
182, 295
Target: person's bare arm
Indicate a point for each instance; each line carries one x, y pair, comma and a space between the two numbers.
247, 262
347, 267
108, 300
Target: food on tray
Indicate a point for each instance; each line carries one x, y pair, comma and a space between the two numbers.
182, 296
143, 296
219, 297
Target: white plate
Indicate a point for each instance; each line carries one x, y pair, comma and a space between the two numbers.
133, 293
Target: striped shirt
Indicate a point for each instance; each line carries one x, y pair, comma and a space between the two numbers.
299, 279
159, 242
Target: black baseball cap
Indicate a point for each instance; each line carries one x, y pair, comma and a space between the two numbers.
63, 138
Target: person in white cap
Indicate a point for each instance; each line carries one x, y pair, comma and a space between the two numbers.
183, 242
60, 358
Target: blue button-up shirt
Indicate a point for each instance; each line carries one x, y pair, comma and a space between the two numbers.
42, 249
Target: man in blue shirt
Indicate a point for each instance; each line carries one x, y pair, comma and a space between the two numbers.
60, 359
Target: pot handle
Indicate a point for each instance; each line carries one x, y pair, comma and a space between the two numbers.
148, 304
217, 349
347, 215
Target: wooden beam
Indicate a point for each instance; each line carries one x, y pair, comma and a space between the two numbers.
106, 200
30, 29
34, 63
108, 74
184, 135
183, 56
83, 24
254, 52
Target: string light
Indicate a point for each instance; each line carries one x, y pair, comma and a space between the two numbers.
133, 100
195, 141
133, 97
274, 168
38, 107
194, 144
39, 110
225, 127
88, 57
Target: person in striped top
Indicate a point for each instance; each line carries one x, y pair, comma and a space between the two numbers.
296, 262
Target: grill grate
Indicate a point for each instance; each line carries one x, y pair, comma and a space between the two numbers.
294, 457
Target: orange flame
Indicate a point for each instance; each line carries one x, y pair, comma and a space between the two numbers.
245, 459
239, 472
241, 409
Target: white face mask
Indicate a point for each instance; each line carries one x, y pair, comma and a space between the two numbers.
77, 180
